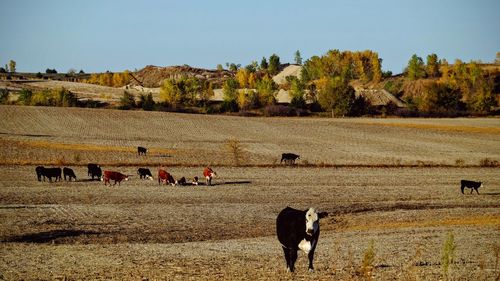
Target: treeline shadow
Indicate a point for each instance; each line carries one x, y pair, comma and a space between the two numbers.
48, 236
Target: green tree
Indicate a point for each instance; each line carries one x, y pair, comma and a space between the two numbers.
12, 66
274, 64
336, 96
146, 102
415, 69
266, 90
25, 97
432, 67
170, 93
219, 67
230, 90
63, 97
297, 93
207, 92
127, 101
263, 64
298, 58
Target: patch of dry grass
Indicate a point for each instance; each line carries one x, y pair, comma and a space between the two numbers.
441, 127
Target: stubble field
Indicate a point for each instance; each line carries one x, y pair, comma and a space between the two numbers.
390, 182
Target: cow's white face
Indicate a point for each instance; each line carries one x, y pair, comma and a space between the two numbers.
150, 178
312, 221
126, 178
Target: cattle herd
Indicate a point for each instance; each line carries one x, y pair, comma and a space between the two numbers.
95, 172
295, 229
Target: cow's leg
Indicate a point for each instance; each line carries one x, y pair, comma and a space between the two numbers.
293, 259
477, 190
471, 190
286, 251
311, 258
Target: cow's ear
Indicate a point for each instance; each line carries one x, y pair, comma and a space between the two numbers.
322, 215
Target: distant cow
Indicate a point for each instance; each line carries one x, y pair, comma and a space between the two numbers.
94, 170
195, 181
116, 176
69, 173
473, 185
144, 173
141, 150
208, 173
289, 158
166, 177
52, 173
39, 173
181, 181
298, 230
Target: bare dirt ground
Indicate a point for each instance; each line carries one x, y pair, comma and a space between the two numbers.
85, 231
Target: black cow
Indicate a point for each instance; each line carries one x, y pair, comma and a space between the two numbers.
69, 172
289, 158
94, 170
473, 185
298, 230
52, 173
141, 150
39, 173
144, 173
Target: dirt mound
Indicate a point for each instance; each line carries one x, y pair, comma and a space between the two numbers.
152, 76
289, 70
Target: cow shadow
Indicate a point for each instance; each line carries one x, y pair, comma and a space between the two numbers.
229, 183
48, 236
491, 193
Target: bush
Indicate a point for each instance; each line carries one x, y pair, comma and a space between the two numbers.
487, 162
279, 110
127, 101
4, 96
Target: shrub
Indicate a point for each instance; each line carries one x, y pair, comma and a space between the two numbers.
4, 96
279, 110
235, 148
487, 162
25, 97
368, 261
127, 101
448, 254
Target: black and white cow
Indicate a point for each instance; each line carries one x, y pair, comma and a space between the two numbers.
141, 150
69, 173
289, 158
144, 173
298, 230
473, 185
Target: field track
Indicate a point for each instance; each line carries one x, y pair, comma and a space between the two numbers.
391, 181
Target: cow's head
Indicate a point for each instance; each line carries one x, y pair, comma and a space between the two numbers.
126, 178
312, 220
149, 178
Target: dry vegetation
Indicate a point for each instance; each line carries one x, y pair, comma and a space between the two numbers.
84, 230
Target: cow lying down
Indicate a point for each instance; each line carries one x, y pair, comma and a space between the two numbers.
298, 230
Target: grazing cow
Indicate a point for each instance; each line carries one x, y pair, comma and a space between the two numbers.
195, 181
39, 173
144, 173
116, 176
52, 173
181, 181
289, 158
298, 230
208, 173
473, 185
141, 150
69, 172
94, 170
166, 177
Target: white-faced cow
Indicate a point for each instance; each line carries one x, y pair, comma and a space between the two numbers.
298, 230
39, 173
289, 158
165, 177
67, 172
208, 173
116, 176
144, 173
52, 173
141, 150
94, 170
473, 185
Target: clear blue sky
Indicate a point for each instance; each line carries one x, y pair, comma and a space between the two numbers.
100, 35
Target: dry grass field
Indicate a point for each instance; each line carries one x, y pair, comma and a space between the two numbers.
390, 182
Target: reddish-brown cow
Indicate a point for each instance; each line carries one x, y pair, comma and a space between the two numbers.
166, 177
116, 176
208, 173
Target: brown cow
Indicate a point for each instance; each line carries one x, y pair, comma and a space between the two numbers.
111, 175
166, 177
208, 173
